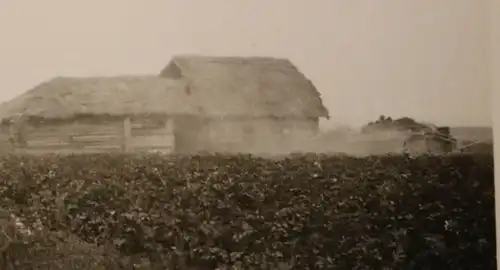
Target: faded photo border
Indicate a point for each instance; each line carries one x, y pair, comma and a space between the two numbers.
300, 171
495, 106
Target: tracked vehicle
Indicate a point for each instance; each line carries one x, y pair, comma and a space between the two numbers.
417, 138
436, 140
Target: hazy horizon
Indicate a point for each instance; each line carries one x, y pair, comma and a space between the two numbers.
426, 60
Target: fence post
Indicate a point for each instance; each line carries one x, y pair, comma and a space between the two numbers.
127, 134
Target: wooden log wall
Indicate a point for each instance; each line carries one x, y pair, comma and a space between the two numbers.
73, 138
111, 137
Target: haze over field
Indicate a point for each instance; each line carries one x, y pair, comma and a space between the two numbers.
424, 59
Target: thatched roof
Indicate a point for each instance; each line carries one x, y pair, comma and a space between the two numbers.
65, 97
253, 86
212, 86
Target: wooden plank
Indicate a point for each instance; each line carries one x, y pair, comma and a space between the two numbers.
72, 146
48, 144
66, 133
59, 145
152, 131
99, 137
154, 149
157, 123
47, 140
64, 151
104, 146
150, 147
76, 127
90, 140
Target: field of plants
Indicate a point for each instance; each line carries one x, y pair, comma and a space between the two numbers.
240, 212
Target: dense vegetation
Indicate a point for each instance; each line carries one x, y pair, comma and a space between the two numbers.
298, 212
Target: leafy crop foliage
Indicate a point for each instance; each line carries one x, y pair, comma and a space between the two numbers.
242, 212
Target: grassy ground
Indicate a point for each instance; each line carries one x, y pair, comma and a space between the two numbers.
204, 212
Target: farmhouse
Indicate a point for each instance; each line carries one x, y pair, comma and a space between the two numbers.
195, 104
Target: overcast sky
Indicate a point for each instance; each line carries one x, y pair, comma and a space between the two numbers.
426, 59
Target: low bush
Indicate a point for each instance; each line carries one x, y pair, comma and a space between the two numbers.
243, 212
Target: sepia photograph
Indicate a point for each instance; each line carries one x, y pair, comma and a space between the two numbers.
286, 134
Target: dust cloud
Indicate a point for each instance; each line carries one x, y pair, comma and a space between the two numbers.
347, 142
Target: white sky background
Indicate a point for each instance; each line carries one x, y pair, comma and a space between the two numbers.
426, 59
